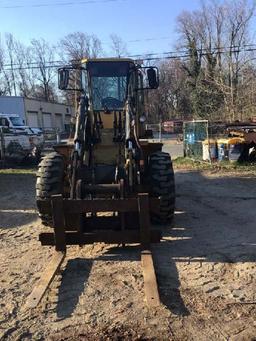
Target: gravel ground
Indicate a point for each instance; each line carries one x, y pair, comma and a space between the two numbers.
205, 268
174, 148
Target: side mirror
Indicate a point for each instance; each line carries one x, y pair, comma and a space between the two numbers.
4, 122
153, 79
63, 79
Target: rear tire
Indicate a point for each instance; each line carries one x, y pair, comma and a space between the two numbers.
50, 178
162, 185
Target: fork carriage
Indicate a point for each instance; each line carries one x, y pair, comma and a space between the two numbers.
93, 229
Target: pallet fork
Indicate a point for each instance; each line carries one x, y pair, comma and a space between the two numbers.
61, 237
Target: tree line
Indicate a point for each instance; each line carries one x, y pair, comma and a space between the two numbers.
214, 78
211, 75
31, 70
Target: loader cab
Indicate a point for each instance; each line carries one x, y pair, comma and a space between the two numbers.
115, 91
112, 84
107, 84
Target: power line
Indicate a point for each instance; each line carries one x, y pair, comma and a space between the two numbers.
215, 50
32, 63
144, 57
147, 39
221, 49
57, 4
186, 53
170, 54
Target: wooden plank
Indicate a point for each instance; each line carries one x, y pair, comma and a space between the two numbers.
108, 237
144, 218
99, 205
58, 222
47, 277
150, 282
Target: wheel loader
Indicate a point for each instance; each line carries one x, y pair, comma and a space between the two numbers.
110, 182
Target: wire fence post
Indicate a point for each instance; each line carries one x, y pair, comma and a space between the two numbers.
160, 131
2, 146
57, 136
209, 145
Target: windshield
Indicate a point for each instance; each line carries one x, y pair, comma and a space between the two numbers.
16, 121
109, 84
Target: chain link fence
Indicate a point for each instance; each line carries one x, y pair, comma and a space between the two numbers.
194, 133
156, 130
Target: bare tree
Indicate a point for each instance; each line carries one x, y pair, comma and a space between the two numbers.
3, 88
73, 48
240, 14
118, 46
10, 76
78, 45
43, 52
26, 81
171, 99
215, 36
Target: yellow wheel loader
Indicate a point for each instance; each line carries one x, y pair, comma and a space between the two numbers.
109, 165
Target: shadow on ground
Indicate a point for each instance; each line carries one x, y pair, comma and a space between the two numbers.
211, 226
17, 191
17, 199
11, 218
73, 282
215, 222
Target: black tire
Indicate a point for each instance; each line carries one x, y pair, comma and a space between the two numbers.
162, 185
50, 177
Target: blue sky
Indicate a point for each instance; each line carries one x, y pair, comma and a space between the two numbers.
130, 19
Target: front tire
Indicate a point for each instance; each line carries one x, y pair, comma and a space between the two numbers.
162, 185
50, 179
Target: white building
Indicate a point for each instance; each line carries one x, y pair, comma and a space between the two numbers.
37, 113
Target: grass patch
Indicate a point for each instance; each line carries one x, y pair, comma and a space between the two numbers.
187, 163
223, 166
11, 171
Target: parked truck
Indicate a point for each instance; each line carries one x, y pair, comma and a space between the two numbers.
19, 142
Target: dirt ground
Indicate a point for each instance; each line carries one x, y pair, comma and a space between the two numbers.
205, 267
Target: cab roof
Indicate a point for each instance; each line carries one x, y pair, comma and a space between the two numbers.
114, 59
